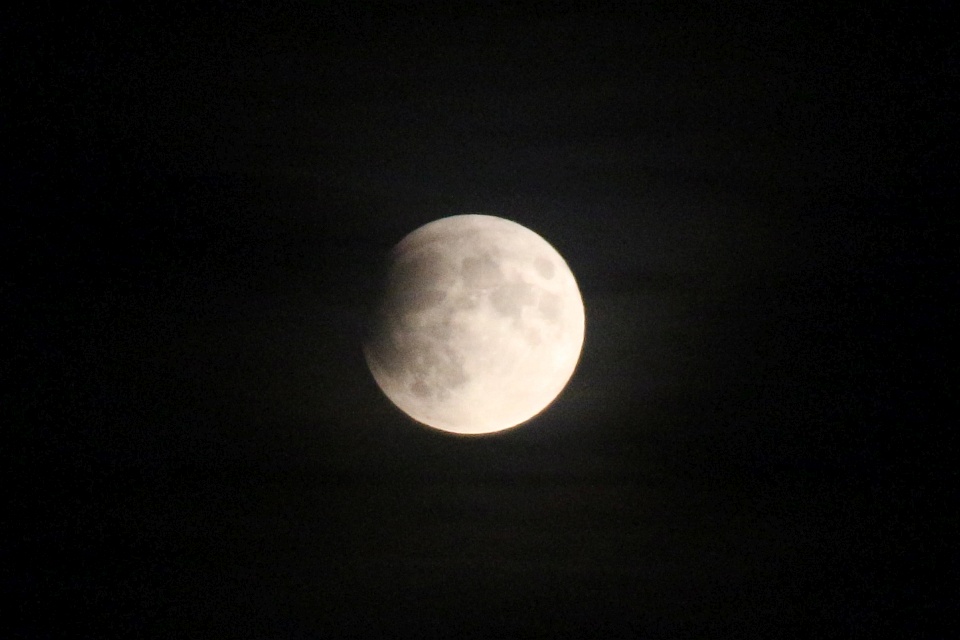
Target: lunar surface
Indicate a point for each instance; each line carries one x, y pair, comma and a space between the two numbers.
479, 327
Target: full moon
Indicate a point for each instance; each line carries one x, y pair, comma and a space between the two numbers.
479, 326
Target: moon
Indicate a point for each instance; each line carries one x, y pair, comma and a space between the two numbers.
479, 326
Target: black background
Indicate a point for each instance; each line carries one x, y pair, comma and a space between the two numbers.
753, 199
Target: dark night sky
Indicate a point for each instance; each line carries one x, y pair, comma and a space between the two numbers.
753, 201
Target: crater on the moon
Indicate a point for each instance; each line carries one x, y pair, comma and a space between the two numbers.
434, 366
544, 267
551, 306
481, 272
508, 299
414, 300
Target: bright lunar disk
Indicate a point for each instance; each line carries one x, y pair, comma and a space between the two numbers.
479, 327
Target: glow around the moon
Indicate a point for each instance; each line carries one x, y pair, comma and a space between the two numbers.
480, 325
